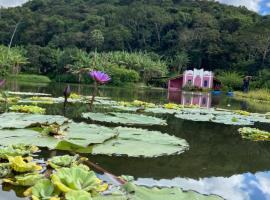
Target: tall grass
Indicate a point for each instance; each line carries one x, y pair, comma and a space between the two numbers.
259, 95
30, 78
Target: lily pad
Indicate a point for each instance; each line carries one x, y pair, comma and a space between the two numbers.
124, 118
24, 120
141, 193
80, 134
28, 93
139, 142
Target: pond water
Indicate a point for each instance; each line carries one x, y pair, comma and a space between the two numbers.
218, 161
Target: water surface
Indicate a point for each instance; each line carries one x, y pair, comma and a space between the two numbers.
218, 162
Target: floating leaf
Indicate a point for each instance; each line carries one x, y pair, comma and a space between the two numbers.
141, 193
139, 142
5, 170
124, 118
75, 178
43, 189
17, 150
24, 180
254, 134
78, 195
24, 120
28, 93
27, 109
62, 161
18, 164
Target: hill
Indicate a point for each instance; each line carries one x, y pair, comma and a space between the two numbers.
182, 33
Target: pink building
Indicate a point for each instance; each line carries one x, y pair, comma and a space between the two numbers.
197, 77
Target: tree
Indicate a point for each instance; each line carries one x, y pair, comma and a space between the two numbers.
181, 60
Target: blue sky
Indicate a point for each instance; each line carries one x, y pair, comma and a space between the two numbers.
260, 6
265, 7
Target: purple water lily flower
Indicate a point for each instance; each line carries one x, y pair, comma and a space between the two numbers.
2, 82
100, 77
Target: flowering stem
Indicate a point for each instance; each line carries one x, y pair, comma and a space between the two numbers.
94, 95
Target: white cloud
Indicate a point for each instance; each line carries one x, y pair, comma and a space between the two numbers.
11, 3
268, 5
253, 5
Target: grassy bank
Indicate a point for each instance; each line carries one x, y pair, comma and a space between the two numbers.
30, 78
256, 95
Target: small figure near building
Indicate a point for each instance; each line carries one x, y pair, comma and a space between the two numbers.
245, 86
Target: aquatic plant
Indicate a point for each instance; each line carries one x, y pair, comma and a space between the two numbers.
75, 96
2, 82
77, 178
63, 161
43, 189
100, 77
20, 164
24, 179
27, 109
254, 134
242, 112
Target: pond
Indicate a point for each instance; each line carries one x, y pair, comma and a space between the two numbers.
218, 161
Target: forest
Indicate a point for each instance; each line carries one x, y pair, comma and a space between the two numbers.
134, 40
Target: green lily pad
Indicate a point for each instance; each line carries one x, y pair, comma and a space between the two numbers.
142, 193
27, 93
124, 118
80, 134
24, 120
139, 142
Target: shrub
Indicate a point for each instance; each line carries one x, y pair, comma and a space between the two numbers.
231, 80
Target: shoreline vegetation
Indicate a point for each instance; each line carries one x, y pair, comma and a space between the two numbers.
259, 95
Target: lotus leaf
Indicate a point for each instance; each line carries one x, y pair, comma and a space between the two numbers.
75, 178
43, 189
24, 180
5, 170
19, 165
78, 195
124, 118
24, 120
254, 134
27, 109
139, 142
143, 193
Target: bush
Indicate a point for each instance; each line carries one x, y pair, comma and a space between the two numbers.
230, 80
122, 75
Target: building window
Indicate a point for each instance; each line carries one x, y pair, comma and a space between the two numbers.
189, 82
205, 83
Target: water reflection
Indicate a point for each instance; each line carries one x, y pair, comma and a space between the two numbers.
200, 99
237, 187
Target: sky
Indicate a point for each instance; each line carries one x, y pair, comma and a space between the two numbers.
260, 6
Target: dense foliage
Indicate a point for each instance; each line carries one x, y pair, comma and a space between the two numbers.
182, 33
